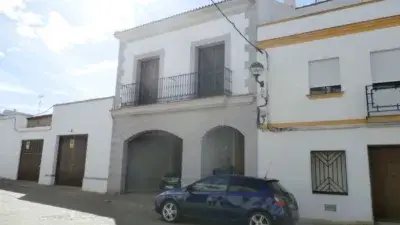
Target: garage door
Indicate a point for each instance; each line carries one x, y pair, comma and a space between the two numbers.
150, 156
385, 180
30, 158
71, 160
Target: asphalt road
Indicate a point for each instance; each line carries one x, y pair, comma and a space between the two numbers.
27, 203
23, 203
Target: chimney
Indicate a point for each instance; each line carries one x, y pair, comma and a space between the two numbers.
291, 3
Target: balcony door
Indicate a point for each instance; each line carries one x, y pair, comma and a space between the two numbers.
149, 74
211, 67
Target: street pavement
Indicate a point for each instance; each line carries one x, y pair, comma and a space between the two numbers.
25, 203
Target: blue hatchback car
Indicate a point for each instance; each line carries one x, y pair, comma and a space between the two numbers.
231, 198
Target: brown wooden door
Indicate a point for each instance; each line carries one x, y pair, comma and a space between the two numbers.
149, 75
385, 180
71, 160
30, 159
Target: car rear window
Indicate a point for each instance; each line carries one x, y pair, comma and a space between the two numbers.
244, 184
276, 186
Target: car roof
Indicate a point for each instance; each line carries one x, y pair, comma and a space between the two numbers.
257, 178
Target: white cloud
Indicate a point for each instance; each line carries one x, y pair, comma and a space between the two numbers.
26, 21
99, 20
90, 81
93, 69
2, 55
15, 88
14, 49
9, 7
24, 108
59, 92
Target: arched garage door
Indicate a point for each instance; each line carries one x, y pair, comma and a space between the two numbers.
150, 156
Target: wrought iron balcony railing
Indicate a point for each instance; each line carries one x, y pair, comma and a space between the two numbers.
177, 88
383, 98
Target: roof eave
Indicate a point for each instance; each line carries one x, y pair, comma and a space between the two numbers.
203, 14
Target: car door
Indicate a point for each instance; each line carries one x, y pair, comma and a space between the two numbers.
242, 195
204, 199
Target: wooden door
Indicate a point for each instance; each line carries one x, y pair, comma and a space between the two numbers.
71, 160
385, 181
149, 74
30, 159
211, 68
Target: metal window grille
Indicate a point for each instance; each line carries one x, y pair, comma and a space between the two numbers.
329, 173
325, 90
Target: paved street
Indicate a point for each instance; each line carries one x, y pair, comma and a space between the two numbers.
31, 204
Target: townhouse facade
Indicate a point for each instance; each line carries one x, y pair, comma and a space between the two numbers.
333, 112
184, 103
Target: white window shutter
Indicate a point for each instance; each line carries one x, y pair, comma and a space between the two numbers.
323, 73
385, 66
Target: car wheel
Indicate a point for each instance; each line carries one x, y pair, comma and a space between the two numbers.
260, 218
170, 212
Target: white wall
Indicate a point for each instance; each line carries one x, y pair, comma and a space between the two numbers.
289, 82
9, 149
91, 117
178, 56
332, 19
290, 156
12, 131
273, 10
88, 117
324, 6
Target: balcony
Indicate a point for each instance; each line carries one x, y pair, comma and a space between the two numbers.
383, 99
177, 88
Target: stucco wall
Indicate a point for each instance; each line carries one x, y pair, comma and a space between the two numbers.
177, 50
88, 117
190, 126
332, 19
287, 157
13, 130
289, 77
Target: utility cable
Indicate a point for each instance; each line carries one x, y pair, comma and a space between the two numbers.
43, 112
234, 26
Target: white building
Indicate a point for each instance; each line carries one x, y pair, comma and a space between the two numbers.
333, 84
69, 147
182, 104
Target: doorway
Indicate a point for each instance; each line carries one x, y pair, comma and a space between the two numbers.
30, 159
385, 182
149, 75
211, 69
71, 160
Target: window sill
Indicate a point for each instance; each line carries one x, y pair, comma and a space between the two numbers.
323, 96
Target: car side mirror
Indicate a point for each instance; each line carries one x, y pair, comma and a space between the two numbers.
189, 188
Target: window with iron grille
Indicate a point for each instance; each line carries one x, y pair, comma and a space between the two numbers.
328, 172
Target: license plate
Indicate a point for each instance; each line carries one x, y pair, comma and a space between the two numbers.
169, 186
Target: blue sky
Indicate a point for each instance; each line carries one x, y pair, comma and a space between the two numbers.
65, 49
